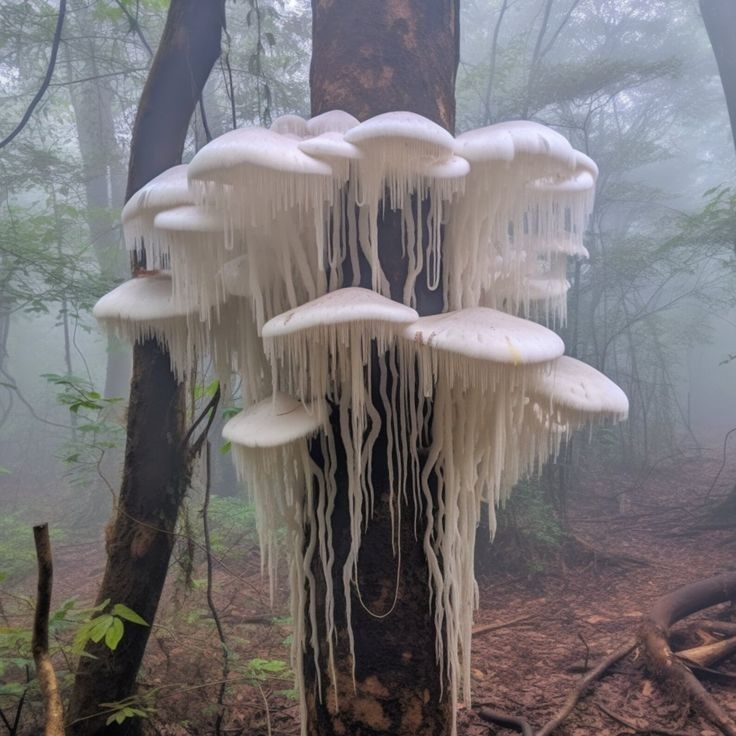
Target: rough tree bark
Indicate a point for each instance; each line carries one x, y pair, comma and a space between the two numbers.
720, 22
370, 58
140, 535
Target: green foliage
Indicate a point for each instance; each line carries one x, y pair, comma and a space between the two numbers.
96, 428
108, 627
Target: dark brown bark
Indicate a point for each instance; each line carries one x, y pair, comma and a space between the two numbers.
370, 58
156, 467
662, 661
720, 22
54, 713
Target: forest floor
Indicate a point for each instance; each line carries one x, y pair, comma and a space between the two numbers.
633, 545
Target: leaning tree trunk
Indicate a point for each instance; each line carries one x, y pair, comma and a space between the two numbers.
370, 58
720, 22
155, 475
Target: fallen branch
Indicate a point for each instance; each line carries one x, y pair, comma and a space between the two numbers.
54, 721
507, 721
727, 628
653, 636
485, 628
708, 655
583, 684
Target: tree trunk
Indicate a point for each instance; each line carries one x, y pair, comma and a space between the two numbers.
156, 469
370, 58
720, 22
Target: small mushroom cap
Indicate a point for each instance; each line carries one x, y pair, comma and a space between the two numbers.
580, 181
486, 334
332, 121
168, 189
256, 147
343, 306
454, 167
144, 298
277, 420
575, 385
189, 219
330, 145
402, 125
290, 125
586, 163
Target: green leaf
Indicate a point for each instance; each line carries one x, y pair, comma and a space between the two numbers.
114, 634
99, 627
121, 610
225, 448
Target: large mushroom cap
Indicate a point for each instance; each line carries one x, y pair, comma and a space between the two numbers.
275, 421
145, 298
403, 126
252, 147
332, 121
343, 306
290, 125
488, 144
189, 219
486, 334
168, 189
579, 387
330, 145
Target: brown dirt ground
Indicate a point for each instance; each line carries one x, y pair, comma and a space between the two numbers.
574, 607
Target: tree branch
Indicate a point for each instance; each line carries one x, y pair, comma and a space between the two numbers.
46, 80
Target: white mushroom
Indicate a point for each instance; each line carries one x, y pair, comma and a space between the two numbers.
168, 189
142, 308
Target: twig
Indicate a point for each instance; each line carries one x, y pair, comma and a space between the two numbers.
46, 80
595, 674
13, 727
723, 464
637, 729
54, 721
508, 721
485, 628
210, 599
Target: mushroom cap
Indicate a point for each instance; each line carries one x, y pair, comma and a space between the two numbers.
454, 167
168, 189
144, 298
330, 145
343, 306
332, 121
402, 125
575, 385
514, 139
189, 219
486, 334
277, 420
580, 181
290, 125
491, 143
252, 147
586, 163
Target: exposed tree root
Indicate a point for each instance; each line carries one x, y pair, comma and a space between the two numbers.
649, 730
485, 628
661, 659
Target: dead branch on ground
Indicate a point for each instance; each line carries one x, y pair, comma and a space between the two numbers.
54, 720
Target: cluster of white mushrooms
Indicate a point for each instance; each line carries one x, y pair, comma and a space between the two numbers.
255, 251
